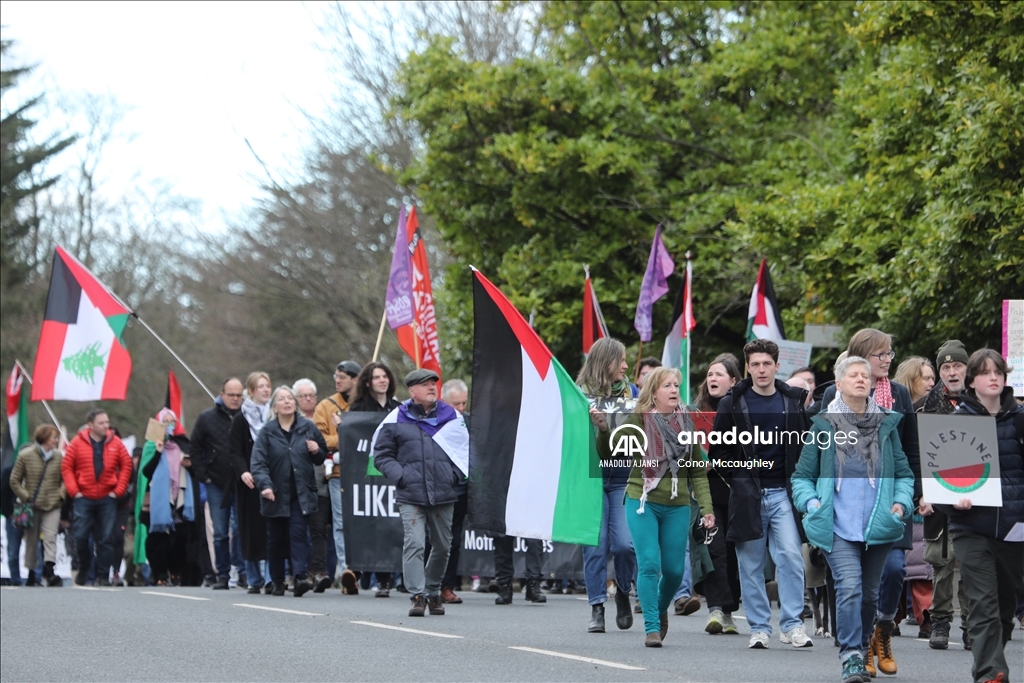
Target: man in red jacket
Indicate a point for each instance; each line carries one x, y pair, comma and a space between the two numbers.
96, 470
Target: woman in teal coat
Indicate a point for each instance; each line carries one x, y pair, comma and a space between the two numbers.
855, 484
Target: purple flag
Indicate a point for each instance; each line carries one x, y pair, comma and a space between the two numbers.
655, 285
398, 301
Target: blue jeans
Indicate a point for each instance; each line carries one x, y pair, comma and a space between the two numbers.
660, 538
221, 518
891, 587
777, 521
614, 536
334, 488
14, 535
253, 575
95, 517
686, 587
857, 573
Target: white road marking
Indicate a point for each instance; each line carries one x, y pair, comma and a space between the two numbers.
585, 599
736, 616
10, 588
952, 642
588, 660
95, 588
406, 630
278, 609
173, 595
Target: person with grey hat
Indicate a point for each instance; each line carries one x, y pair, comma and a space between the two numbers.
327, 417
422, 447
943, 399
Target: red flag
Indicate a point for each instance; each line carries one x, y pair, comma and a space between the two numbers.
419, 338
173, 402
594, 327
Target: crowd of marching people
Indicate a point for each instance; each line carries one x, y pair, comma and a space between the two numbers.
833, 530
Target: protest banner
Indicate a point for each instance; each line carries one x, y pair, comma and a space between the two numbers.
959, 459
1013, 342
793, 355
476, 557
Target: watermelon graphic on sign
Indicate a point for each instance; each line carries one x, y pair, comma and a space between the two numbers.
959, 459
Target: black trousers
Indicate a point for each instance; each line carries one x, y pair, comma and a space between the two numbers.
286, 534
503, 569
721, 588
166, 554
319, 529
451, 574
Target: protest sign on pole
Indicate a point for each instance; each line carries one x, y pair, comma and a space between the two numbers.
793, 355
476, 557
1013, 342
959, 459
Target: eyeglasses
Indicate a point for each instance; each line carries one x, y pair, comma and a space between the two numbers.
232, 395
303, 396
883, 356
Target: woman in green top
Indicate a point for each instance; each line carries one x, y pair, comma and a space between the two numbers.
657, 498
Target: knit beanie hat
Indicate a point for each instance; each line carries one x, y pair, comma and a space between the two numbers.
951, 352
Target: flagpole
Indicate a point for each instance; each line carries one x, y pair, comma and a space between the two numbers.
686, 313
380, 334
171, 351
49, 411
639, 356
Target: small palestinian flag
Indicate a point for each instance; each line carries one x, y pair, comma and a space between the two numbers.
17, 412
81, 354
764, 320
594, 327
530, 433
677, 343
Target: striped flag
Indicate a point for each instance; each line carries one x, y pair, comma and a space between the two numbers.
173, 402
677, 344
81, 354
17, 412
763, 318
594, 327
530, 435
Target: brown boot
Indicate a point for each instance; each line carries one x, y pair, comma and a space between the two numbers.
664, 625
869, 659
652, 640
883, 635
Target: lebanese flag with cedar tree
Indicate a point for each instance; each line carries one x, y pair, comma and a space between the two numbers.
81, 354
530, 433
419, 339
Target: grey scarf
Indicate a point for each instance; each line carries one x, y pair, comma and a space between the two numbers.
255, 415
865, 426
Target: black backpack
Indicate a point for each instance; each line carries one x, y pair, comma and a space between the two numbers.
6, 494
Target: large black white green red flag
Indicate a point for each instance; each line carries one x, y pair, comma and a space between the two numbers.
81, 354
531, 439
764, 319
17, 412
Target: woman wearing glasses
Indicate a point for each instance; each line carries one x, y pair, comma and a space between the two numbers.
876, 347
658, 498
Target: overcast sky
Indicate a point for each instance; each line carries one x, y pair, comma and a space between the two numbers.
199, 78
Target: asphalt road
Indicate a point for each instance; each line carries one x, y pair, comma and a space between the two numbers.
194, 634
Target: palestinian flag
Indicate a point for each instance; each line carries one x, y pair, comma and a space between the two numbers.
17, 412
677, 344
763, 318
81, 354
173, 402
594, 327
530, 433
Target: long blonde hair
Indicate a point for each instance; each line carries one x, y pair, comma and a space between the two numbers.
273, 402
595, 376
655, 378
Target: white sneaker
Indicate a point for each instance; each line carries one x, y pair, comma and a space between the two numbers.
796, 637
758, 641
476, 584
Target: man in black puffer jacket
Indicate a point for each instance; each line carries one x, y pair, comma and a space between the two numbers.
989, 541
406, 451
211, 464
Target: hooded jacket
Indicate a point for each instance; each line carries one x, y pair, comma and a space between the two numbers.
80, 474
995, 522
745, 493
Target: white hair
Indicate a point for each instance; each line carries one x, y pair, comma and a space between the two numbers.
451, 386
843, 365
305, 381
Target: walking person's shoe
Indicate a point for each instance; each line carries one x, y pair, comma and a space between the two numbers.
222, 584
728, 625
80, 578
652, 639
504, 594
436, 606
623, 610
349, 583
687, 606
715, 625
419, 606
302, 586
449, 597
854, 671
242, 582
966, 639
100, 581
664, 624
254, 590
321, 582
758, 641
278, 591
883, 636
796, 637
596, 619
533, 593
31, 580
869, 661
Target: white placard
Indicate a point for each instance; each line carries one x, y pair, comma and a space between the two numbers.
793, 355
1013, 342
959, 459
